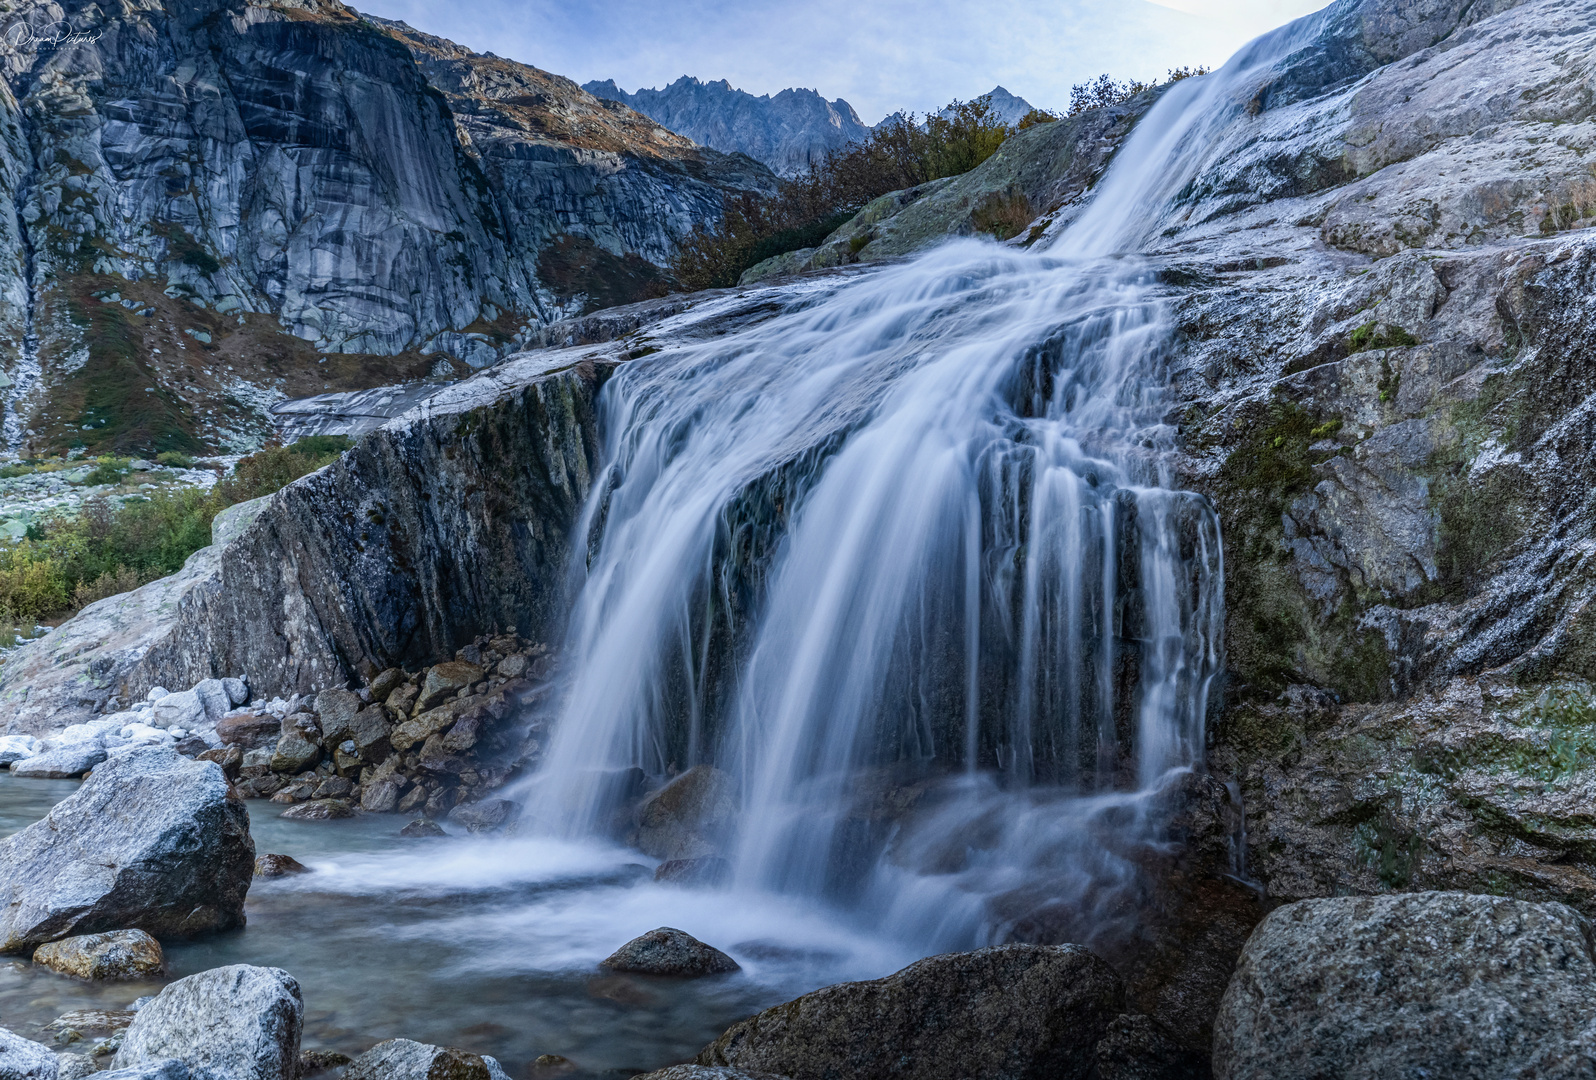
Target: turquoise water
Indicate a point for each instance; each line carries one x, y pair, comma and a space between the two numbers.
487, 944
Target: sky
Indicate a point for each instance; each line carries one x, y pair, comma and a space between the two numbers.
879, 55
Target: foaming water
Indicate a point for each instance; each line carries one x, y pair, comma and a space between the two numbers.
906, 561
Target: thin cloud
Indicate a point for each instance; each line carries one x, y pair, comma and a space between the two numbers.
879, 55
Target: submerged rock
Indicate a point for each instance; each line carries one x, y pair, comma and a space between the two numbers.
152, 841
319, 810
687, 818
1013, 1012
667, 951
402, 1059
1435, 984
24, 1059
229, 1023
270, 866
423, 827
119, 954
313, 1061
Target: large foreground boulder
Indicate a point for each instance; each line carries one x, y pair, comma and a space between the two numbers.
1428, 984
229, 1023
404, 1059
151, 841
1013, 1012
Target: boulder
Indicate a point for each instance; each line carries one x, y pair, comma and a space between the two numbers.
687, 818
118, 954
295, 753
168, 1069
1424, 984
313, 1061
446, 680
705, 871
62, 762
402, 1059
669, 952
183, 710
484, 816
16, 747
213, 698
24, 1059
1139, 1048
707, 1072
379, 797
270, 866
335, 710
252, 731
370, 731
319, 810
1011, 1012
422, 827
74, 1067
237, 691
230, 758
386, 683
229, 1023
151, 841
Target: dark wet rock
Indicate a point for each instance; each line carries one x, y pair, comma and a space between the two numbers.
705, 871
151, 841
413, 799
402, 1059
229, 1023
252, 731
484, 816
1013, 1012
447, 679
230, 758
314, 1061
1377, 986
333, 787
61, 763
463, 735
667, 951
423, 827
1138, 1047
551, 1065
370, 731
117, 954
24, 1059
319, 810
385, 683
294, 752
688, 817
707, 1072
335, 713
270, 866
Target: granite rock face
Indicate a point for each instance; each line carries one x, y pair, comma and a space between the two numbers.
1444, 984
179, 202
1007, 1012
228, 1023
25, 1059
152, 841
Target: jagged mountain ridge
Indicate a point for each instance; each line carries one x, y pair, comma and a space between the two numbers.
219, 203
788, 131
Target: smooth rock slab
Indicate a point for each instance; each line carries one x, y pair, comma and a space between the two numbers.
1428, 984
669, 952
229, 1023
402, 1059
24, 1059
119, 954
1012, 1012
61, 763
152, 841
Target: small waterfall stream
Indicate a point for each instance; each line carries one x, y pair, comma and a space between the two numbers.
914, 541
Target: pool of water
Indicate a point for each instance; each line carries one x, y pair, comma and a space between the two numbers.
491, 944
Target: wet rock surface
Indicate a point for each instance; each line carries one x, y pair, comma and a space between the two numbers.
403, 1059
668, 951
228, 1023
151, 841
1450, 984
120, 954
1012, 1011
271, 866
688, 817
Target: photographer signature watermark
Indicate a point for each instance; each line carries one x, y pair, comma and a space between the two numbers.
54, 35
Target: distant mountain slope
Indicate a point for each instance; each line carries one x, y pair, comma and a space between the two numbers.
787, 132
1008, 108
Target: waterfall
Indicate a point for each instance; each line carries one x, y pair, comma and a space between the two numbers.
906, 561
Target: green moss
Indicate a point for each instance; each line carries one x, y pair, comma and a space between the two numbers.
1371, 335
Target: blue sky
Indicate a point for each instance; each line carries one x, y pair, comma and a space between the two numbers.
881, 55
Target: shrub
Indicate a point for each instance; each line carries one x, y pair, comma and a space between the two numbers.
108, 470
175, 459
66, 562
1003, 214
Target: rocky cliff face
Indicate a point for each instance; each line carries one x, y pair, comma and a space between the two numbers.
214, 205
789, 132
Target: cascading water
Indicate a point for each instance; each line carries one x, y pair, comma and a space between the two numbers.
911, 545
